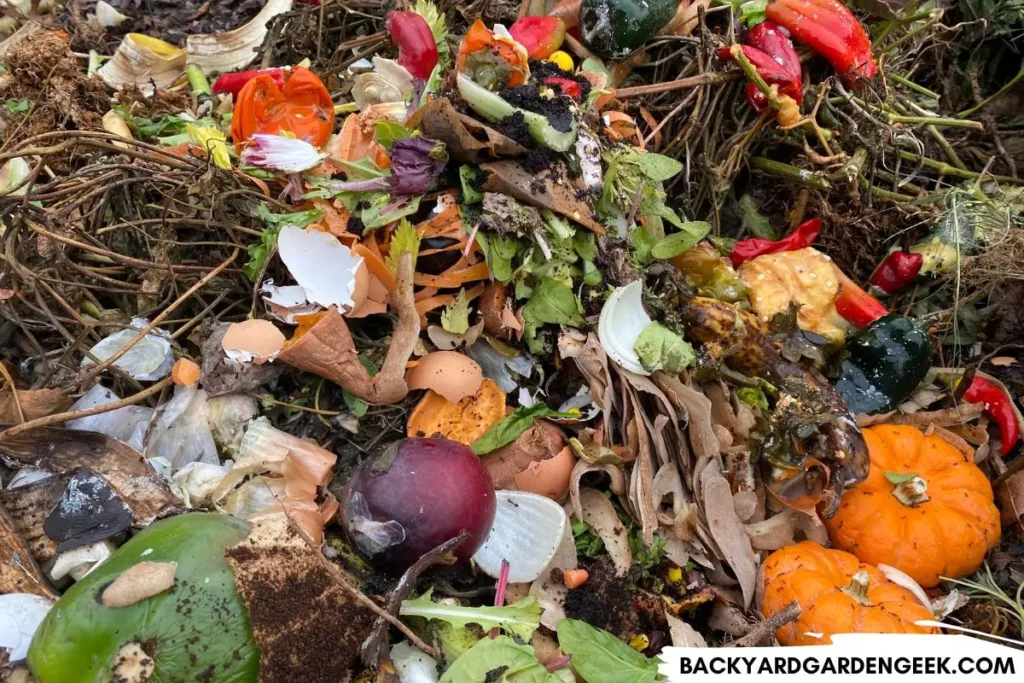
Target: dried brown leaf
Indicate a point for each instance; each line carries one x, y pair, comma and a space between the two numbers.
727, 529
138, 582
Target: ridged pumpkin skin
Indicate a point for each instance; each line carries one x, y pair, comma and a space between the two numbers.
946, 535
820, 580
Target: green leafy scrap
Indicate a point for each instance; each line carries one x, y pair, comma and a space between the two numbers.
468, 177
355, 404
18, 106
673, 244
511, 428
519, 620
455, 316
754, 221
499, 660
385, 209
659, 348
633, 183
552, 302
600, 657
388, 132
588, 544
436, 21
260, 251
405, 238
753, 397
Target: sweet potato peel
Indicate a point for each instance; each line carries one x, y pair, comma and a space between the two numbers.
465, 421
327, 348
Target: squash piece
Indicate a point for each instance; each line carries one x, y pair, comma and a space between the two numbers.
837, 594
465, 421
925, 507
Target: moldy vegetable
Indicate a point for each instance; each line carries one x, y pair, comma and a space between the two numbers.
925, 507
614, 28
885, 362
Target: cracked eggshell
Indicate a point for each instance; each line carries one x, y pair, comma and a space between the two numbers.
527, 531
622, 320
284, 303
449, 373
256, 341
323, 266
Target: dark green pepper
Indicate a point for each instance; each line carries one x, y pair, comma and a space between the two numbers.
196, 630
885, 362
614, 28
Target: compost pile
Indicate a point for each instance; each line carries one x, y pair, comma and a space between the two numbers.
444, 343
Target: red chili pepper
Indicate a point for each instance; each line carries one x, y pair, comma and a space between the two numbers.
803, 236
831, 30
998, 408
234, 82
567, 86
856, 305
774, 41
417, 49
898, 270
541, 36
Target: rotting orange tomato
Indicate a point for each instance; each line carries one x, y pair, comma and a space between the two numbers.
302, 108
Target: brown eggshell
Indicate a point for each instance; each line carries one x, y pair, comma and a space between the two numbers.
361, 287
539, 461
375, 301
449, 373
260, 338
492, 304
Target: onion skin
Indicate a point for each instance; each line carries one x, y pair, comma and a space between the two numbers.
434, 488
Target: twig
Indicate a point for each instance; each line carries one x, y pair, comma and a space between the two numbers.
789, 613
14, 392
709, 78
75, 414
994, 96
907, 83
799, 175
202, 282
371, 650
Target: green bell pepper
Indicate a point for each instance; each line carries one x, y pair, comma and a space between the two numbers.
885, 362
614, 28
196, 630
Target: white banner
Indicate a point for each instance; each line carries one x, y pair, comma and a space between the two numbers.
852, 658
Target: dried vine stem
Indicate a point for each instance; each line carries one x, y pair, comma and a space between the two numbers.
75, 414
787, 614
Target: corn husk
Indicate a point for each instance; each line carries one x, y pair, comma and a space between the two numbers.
142, 61
235, 49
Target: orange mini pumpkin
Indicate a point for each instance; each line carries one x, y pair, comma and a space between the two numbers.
837, 594
925, 507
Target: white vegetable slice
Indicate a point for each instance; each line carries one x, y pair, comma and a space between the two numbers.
324, 266
20, 616
527, 531
622, 320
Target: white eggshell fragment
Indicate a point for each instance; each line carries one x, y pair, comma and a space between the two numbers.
527, 531
322, 265
622, 320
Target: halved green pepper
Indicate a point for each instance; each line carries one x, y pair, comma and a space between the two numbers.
197, 630
885, 362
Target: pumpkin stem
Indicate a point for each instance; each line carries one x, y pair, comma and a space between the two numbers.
858, 588
909, 488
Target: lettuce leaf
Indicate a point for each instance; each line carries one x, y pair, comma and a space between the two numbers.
600, 657
520, 619
499, 660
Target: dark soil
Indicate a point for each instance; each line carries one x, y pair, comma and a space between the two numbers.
170, 20
604, 601
528, 97
514, 127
